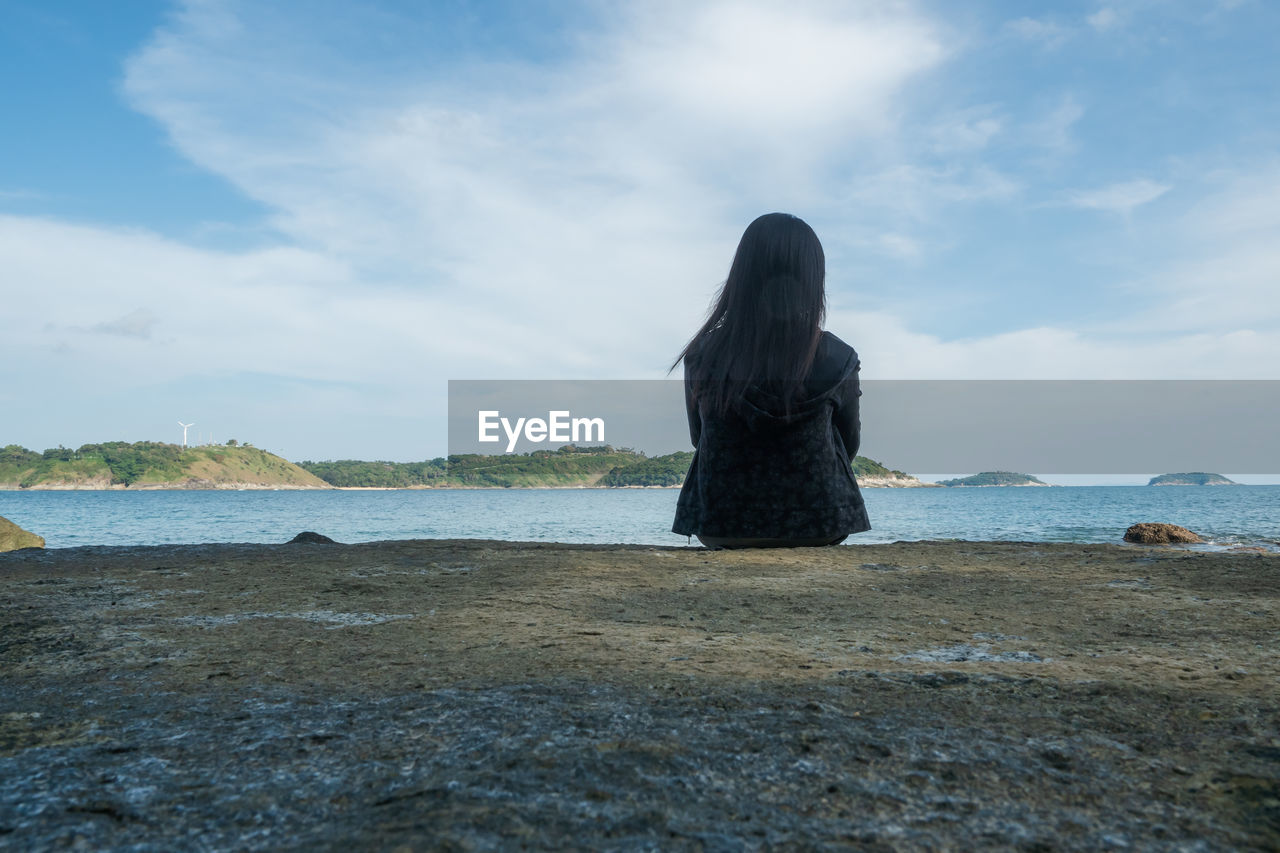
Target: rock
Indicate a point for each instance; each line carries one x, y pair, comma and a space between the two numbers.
1159, 534
342, 721
13, 537
308, 537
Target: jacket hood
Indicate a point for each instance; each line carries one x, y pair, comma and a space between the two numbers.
830, 370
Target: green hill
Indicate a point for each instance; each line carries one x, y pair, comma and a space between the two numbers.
670, 470
995, 478
355, 473
150, 465
1193, 478
666, 470
567, 467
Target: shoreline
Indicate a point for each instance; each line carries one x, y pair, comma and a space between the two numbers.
1249, 546
865, 484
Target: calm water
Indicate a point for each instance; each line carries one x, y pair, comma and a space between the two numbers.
1224, 515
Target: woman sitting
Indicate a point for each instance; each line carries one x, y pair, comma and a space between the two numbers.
772, 401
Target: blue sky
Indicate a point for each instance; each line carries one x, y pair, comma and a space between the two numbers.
294, 223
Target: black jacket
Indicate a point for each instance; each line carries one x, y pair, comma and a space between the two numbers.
758, 473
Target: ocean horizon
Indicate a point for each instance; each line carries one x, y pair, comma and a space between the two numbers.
1226, 517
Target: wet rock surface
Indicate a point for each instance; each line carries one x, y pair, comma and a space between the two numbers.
481, 695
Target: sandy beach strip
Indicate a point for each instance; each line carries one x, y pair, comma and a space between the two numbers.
474, 694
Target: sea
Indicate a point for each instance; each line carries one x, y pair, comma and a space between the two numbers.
1226, 516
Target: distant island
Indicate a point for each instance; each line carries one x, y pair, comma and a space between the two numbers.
994, 478
567, 467
151, 465
1194, 478
871, 474
157, 465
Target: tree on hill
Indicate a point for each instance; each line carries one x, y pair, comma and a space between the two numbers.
864, 467
355, 473
669, 470
128, 463
995, 478
18, 456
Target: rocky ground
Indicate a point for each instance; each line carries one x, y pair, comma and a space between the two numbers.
472, 695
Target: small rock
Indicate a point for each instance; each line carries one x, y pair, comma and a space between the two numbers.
308, 537
1057, 755
13, 537
1159, 534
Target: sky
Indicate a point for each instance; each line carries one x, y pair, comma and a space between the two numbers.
293, 223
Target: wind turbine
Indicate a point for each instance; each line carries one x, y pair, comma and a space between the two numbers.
185, 427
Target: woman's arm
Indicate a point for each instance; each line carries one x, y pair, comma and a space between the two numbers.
847, 420
691, 409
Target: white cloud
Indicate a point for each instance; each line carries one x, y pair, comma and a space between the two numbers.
135, 324
1120, 197
891, 350
1240, 208
1104, 19
1209, 309
669, 106
1052, 131
1048, 34
1213, 283
544, 180
1224, 263
900, 245
969, 130
922, 194
767, 70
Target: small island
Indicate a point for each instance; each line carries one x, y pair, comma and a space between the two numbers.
1194, 478
994, 478
872, 475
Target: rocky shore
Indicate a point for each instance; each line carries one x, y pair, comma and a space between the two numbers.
484, 695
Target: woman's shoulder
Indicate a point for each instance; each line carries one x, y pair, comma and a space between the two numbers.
833, 353
834, 361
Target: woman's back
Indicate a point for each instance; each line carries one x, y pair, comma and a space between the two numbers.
778, 469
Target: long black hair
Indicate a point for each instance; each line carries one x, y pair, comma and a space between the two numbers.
764, 326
